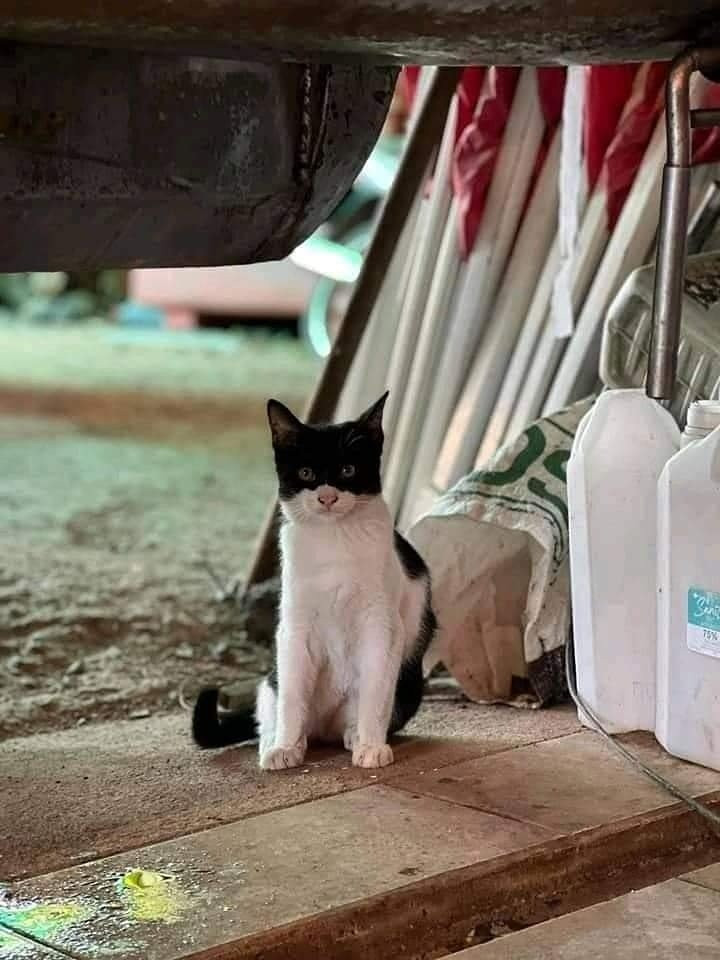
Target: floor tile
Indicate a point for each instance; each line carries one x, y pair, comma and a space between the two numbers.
566, 784
13, 947
34, 926
269, 870
81, 794
707, 877
672, 921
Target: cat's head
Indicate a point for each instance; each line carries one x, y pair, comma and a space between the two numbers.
326, 472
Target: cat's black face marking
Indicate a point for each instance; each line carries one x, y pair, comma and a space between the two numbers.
345, 456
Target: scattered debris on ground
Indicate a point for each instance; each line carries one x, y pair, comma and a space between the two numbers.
123, 508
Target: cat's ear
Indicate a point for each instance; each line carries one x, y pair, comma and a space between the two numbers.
372, 418
284, 425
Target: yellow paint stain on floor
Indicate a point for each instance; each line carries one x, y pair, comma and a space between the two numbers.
153, 897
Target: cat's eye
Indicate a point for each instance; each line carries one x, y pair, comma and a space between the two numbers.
306, 474
347, 471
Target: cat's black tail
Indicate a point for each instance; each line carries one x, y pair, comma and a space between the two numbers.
211, 729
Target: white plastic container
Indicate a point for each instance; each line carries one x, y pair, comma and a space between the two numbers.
628, 329
702, 418
620, 449
688, 660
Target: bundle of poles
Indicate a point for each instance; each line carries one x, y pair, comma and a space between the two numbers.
524, 198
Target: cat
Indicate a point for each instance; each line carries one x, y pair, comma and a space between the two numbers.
355, 614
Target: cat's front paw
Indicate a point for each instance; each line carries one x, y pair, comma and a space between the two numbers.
371, 756
282, 758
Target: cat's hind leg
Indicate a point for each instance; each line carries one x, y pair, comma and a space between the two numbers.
420, 635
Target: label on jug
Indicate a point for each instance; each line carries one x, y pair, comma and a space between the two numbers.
703, 622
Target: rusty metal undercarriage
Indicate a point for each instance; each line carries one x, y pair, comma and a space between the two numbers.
134, 133
118, 158
413, 31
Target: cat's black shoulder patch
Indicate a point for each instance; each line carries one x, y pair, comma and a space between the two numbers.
413, 564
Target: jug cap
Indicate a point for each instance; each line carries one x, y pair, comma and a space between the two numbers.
704, 415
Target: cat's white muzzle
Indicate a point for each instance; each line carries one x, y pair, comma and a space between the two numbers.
325, 502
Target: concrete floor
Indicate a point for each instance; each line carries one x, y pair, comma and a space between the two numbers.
460, 842
89, 792
668, 921
491, 819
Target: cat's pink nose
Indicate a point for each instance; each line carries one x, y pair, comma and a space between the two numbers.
327, 498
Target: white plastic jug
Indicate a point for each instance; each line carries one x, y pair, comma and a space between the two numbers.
688, 661
702, 418
619, 452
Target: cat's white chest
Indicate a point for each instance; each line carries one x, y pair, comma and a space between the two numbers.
335, 575
333, 580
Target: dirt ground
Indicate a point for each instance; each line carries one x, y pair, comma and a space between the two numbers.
133, 468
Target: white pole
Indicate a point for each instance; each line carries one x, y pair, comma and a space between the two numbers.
550, 347
521, 360
423, 264
423, 351
468, 425
368, 375
506, 197
629, 243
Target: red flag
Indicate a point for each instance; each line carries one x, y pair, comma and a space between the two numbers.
551, 91
607, 90
409, 77
625, 153
706, 143
468, 92
477, 149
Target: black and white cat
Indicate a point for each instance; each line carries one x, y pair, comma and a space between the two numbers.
355, 611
